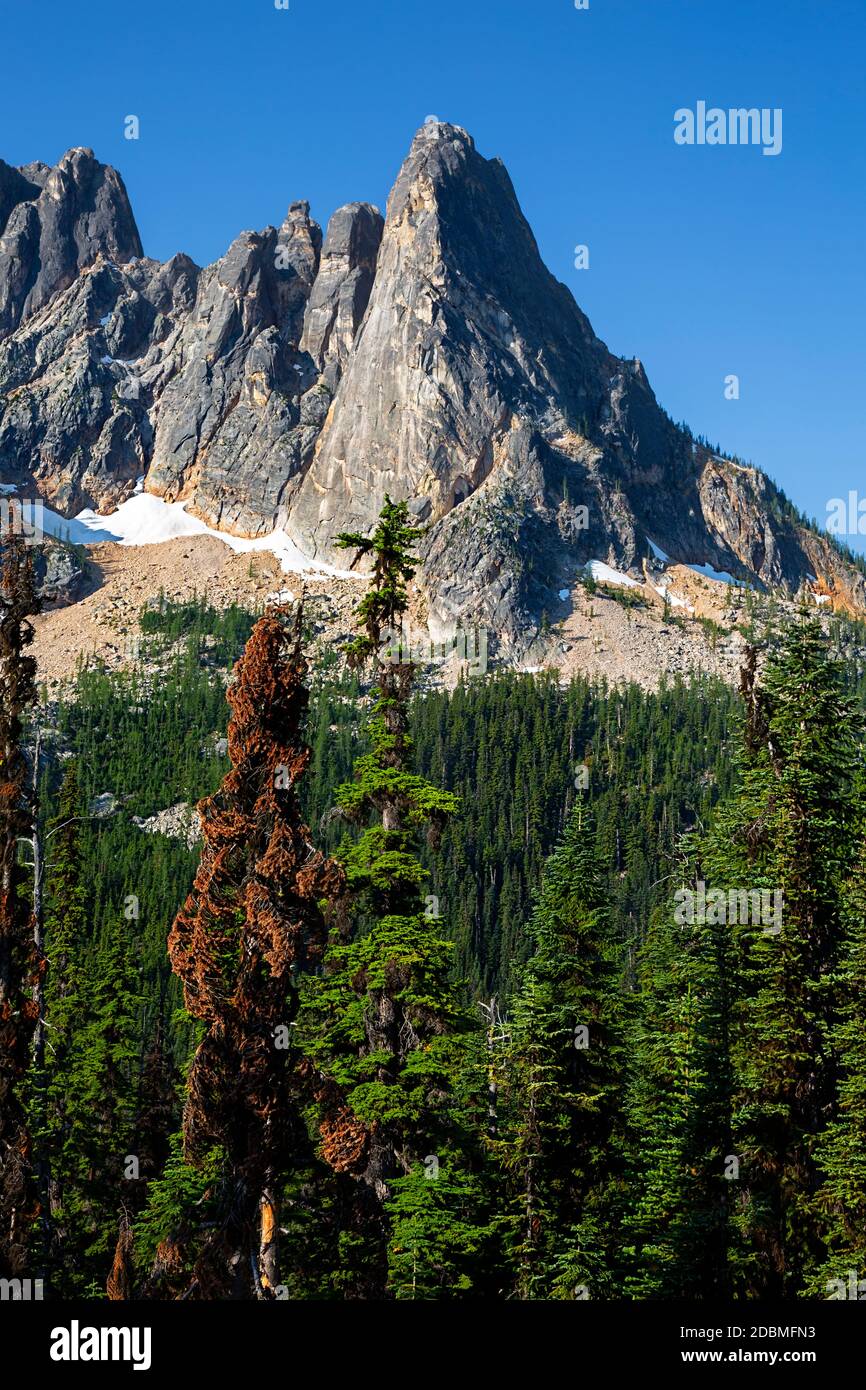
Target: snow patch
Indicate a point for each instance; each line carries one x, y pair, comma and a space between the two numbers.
673, 599
6, 488
146, 520
657, 551
721, 576
605, 575
564, 593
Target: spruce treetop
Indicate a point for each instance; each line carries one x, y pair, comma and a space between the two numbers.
394, 564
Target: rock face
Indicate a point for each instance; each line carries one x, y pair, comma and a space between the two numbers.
477, 389
60, 573
53, 223
342, 288
465, 329
429, 355
232, 426
180, 822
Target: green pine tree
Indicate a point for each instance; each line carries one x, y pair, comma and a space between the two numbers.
840, 1151
563, 1136
440, 1241
102, 1080
679, 1091
799, 837
382, 1025
67, 940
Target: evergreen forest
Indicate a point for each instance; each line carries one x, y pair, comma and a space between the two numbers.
514, 991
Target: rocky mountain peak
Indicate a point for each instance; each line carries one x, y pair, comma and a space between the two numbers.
54, 223
465, 332
429, 354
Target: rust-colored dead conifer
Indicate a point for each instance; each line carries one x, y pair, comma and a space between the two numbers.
251, 925
120, 1279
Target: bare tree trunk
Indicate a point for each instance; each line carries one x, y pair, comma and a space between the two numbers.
269, 1243
493, 1024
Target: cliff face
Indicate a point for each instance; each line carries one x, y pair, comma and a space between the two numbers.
294, 383
53, 223
232, 425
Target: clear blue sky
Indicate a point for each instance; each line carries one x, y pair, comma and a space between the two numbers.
704, 261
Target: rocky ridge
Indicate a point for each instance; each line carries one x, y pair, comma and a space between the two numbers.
428, 354
671, 623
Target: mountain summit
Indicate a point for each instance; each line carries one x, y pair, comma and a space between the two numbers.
429, 355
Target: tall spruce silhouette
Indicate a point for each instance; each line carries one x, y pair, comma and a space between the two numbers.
382, 1024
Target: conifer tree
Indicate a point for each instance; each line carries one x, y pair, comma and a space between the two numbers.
66, 941
679, 1098
67, 915
383, 1024
156, 1106
18, 963
799, 836
440, 1242
98, 1160
564, 1141
250, 928
738, 1044
172, 1233
840, 1151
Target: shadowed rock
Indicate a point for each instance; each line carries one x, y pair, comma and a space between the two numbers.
57, 221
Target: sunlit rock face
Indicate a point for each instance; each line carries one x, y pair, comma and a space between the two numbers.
427, 355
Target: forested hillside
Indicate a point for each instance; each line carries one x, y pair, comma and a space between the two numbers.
423, 1016
517, 749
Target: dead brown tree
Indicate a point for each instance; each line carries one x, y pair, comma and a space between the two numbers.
250, 927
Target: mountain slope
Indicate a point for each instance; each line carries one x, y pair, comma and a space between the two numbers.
429, 355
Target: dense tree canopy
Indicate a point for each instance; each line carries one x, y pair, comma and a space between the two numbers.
438, 1024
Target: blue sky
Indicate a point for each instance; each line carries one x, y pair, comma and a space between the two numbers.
704, 261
